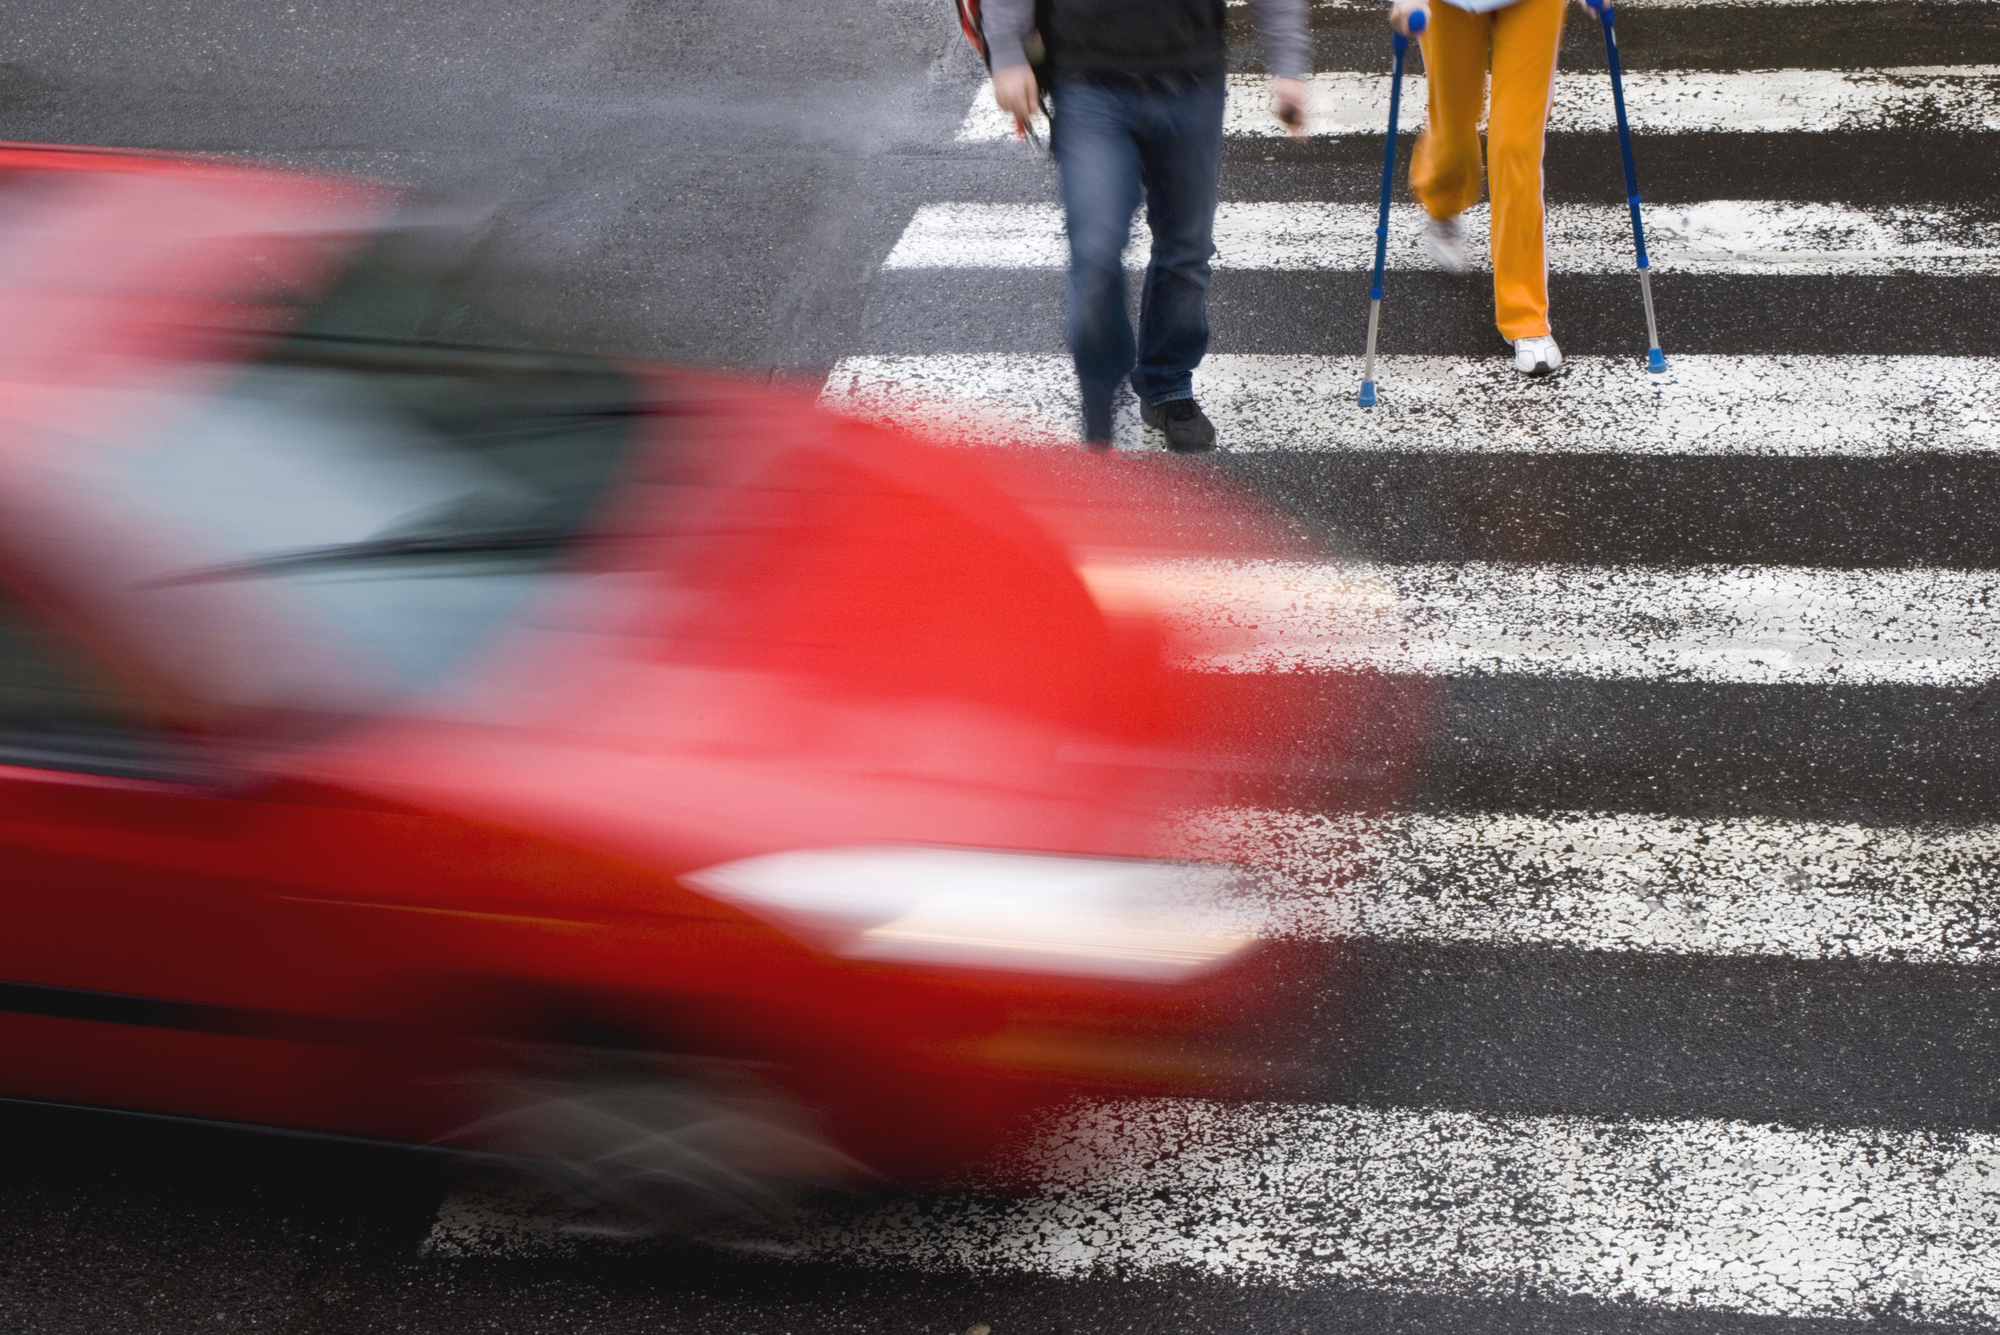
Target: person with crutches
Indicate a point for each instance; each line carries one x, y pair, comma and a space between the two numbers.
1520, 37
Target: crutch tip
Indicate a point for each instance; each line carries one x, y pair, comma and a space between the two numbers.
1367, 399
1656, 361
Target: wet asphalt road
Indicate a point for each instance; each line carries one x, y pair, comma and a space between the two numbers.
718, 181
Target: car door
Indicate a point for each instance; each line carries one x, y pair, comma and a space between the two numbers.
152, 956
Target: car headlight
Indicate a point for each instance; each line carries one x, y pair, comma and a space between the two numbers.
1096, 917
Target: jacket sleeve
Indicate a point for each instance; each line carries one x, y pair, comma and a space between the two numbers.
1007, 24
1287, 42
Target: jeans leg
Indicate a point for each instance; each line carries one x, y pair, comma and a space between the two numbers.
1098, 159
1181, 150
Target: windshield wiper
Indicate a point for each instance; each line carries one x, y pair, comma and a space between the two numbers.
522, 541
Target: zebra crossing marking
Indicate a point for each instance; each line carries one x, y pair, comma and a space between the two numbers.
1748, 624
1700, 1214
1777, 406
1727, 236
1935, 99
1694, 1214
1803, 890
1689, 1214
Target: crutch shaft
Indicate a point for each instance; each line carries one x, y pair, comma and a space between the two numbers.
1655, 359
1401, 45
1374, 325
1652, 325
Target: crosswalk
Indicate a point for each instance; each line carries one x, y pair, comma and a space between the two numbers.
1668, 1214
1806, 1217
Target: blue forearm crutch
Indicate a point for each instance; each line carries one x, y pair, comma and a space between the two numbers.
1655, 359
1402, 46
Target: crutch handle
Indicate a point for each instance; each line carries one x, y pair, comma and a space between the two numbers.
1416, 22
1419, 20
1601, 8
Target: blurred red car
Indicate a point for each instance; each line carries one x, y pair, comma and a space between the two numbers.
410, 731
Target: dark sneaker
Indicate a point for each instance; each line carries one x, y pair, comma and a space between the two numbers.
1097, 446
1187, 427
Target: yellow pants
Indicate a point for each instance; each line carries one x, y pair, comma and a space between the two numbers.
1444, 172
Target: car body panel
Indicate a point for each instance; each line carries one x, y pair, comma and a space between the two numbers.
784, 629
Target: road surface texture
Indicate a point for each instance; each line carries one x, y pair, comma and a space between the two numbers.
1686, 1014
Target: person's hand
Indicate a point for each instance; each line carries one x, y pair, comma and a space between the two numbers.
1288, 103
1399, 14
1015, 90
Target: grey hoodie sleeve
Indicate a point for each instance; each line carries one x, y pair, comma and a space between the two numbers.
1282, 23
1007, 24
1287, 43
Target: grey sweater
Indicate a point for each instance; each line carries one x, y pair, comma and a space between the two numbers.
1281, 23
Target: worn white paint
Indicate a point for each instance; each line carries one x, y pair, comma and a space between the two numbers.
1689, 1214
1620, 882
1730, 236
1694, 1214
1929, 97
1765, 405
1744, 624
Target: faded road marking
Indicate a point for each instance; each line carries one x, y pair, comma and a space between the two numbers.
1936, 99
1864, 406
1729, 236
1621, 882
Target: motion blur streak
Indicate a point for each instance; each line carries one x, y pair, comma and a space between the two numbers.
413, 729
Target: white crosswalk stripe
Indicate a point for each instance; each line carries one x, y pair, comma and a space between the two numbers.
1693, 1214
1620, 882
1720, 236
1762, 624
1962, 98
1794, 406
1696, 1214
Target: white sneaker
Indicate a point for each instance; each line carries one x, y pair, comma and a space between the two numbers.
1537, 356
1444, 238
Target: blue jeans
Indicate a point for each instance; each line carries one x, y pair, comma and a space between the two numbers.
1117, 136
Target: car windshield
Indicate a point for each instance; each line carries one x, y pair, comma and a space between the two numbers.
405, 468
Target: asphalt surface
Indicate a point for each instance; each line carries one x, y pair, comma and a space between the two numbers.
719, 181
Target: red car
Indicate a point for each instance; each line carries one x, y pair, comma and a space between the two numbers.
410, 731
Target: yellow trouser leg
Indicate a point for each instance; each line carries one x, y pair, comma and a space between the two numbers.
1444, 172
1525, 38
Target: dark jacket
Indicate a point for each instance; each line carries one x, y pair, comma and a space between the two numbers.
1142, 36
1133, 36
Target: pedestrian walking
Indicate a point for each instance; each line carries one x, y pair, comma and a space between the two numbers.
1137, 101
1519, 38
